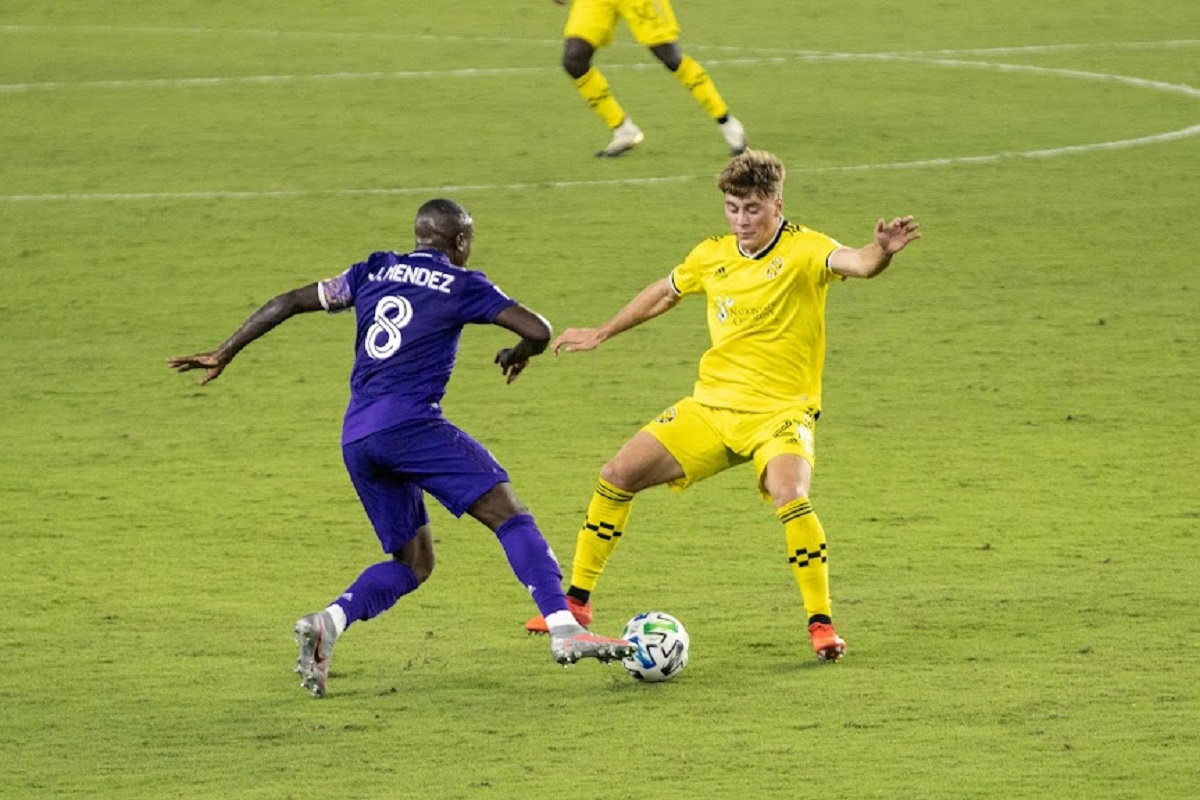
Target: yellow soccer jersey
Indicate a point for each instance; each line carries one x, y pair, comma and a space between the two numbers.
766, 318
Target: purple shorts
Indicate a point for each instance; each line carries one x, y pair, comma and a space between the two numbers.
391, 469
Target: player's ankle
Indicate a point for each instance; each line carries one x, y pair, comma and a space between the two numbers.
582, 595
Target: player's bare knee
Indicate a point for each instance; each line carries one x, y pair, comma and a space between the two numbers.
417, 554
784, 492
421, 568
497, 506
669, 54
616, 473
577, 57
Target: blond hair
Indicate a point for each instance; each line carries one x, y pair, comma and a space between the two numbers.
753, 172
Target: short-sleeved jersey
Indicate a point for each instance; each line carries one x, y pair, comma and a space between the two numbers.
766, 318
411, 309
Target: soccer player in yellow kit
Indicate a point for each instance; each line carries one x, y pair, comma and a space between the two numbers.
590, 26
758, 395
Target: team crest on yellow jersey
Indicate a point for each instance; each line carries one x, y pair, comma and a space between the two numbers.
666, 416
723, 303
766, 320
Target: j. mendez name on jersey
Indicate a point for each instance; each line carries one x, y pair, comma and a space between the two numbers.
416, 276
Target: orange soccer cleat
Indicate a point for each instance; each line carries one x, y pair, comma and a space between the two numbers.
582, 612
825, 641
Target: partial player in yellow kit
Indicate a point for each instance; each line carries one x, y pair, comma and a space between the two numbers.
590, 26
758, 394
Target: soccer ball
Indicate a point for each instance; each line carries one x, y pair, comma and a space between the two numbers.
662, 647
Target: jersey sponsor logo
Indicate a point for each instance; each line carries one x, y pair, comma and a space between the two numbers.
415, 276
727, 311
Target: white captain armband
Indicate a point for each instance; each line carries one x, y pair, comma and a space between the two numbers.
335, 294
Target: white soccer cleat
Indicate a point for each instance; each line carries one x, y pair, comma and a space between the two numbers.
735, 135
626, 136
315, 634
571, 645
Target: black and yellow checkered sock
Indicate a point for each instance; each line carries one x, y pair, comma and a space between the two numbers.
808, 555
607, 514
693, 76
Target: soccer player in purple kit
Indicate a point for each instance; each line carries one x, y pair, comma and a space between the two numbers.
397, 445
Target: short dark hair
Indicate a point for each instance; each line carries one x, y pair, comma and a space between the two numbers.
440, 221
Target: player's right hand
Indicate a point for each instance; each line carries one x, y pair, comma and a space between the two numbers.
577, 339
511, 367
213, 363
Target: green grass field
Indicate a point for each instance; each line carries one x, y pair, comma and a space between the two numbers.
1008, 468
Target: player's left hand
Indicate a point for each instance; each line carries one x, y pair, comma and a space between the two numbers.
213, 363
893, 236
511, 368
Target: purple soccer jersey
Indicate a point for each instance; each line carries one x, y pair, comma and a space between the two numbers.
411, 309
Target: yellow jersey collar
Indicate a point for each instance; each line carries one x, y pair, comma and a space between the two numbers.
767, 247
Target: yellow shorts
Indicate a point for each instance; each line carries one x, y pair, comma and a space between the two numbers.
651, 21
706, 440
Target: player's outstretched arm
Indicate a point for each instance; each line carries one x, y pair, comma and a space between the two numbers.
655, 299
273, 312
535, 335
872, 259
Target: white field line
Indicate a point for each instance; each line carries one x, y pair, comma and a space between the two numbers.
156, 83
991, 158
555, 42
1141, 83
466, 187
486, 72
971, 51
270, 34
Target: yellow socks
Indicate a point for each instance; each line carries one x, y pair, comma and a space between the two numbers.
607, 515
594, 88
693, 76
807, 554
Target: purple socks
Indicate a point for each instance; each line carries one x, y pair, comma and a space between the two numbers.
376, 590
380, 585
534, 564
